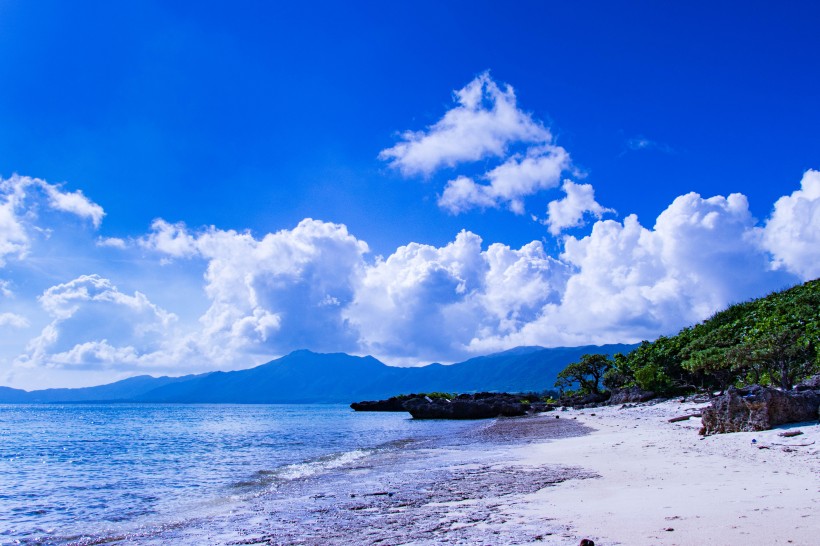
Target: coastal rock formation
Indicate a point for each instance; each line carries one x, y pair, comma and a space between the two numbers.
394, 403
630, 395
581, 401
758, 408
468, 406
812, 383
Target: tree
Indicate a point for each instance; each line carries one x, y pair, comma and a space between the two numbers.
586, 373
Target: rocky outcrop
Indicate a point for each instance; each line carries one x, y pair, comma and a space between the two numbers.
468, 406
758, 408
630, 395
395, 403
812, 383
581, 401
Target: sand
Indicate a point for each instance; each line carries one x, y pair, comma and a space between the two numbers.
661, 483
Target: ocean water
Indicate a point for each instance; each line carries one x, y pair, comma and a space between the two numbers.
97, 470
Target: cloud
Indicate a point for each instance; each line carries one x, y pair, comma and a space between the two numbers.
516, 178
13, 320
171, 239
282, 292
316, 286
112, 242
642, 143
94, 324
429, 302
569, 212
13, 237
484, 122
631, 283
20, 199
73, 202
792, 233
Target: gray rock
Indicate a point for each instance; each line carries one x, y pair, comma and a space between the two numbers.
758, 408
467, 406
630, 395
812, 383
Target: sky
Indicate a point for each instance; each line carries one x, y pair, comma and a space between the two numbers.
187, 187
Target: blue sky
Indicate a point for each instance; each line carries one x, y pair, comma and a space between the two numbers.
470, 169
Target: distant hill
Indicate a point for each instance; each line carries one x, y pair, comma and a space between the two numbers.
308, 377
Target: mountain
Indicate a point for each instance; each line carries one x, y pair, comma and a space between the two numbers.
308, 377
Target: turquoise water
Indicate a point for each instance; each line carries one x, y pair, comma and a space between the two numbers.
92, 470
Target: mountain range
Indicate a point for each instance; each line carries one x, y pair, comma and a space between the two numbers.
308, 377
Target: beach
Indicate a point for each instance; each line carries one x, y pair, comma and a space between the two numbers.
613, 475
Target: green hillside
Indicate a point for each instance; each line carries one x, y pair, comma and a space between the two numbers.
772, 340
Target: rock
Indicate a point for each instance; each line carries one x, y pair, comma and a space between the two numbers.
466, 406
586, 542
812, 383
758, 408
582, 401
395, 403
630, 395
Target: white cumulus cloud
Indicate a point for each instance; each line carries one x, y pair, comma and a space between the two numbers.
13, 320
631, 283
569, 212
282, 292
96, 325
509, 183
429, 302
792, 233
20, 199
484, 122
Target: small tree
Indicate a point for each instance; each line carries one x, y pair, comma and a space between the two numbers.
587, 373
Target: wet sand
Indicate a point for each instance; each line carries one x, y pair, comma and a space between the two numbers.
458, 490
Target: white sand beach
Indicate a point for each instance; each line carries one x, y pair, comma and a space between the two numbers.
662, 483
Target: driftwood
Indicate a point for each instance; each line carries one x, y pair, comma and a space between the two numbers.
791, 433
679, 419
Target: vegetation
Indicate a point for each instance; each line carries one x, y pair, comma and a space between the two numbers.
772, 341
587, 373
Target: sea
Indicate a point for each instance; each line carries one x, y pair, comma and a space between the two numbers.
89, 473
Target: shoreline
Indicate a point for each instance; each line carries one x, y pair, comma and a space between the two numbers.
616, 476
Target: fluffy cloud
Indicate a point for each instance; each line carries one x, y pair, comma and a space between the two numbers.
270, 295
73, 202
20, 199
315, 286
631, 283
96, 325
430, 302
792, 234
518, 177
569, 212
485, 121
13, 320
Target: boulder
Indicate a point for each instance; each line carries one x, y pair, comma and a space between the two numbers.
812, 383
758, 408
630, 395
467, 406
581, 401
395, 403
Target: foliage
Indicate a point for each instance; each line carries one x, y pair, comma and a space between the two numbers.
773, 340
586, 373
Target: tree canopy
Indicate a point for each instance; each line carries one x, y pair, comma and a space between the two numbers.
773, 340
